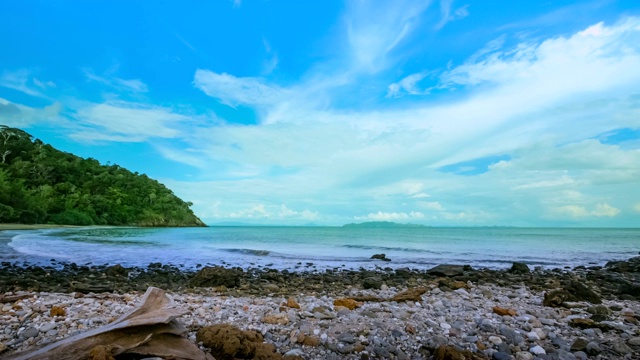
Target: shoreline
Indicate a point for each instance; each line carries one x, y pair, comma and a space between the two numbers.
492, 314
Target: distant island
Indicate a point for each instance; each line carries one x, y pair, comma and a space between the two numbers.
382, 224
42, 185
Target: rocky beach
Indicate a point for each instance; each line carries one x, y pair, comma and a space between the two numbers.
448, 312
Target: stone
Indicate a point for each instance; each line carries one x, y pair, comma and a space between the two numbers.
599, 312
216, 276
373, 282
346, 338
634, 341
593, 348
448, 352
57, 311
579, 344
574, 291
499, 355
502, 311
447, 270
310, 341
537, 350
279, 319
382, 257
513, 337
523, 355
228, 342
292, 303
30, 332
116, 270
621, 348
347, 303
414, 294
519, 268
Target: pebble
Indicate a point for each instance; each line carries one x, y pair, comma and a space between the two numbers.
537, 350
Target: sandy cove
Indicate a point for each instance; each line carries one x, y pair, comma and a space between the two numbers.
503, 319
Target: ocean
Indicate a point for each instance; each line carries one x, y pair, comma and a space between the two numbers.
319, 248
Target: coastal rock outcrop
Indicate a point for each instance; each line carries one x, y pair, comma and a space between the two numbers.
216, 276
447, 270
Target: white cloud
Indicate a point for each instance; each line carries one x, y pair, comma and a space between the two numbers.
23, 81
446, 14
374, 29
577, 211
261, 212
391, 216
234, 91
17, 115
407, 85
124, 85
126, 122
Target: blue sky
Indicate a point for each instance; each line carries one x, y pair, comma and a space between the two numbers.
448, 113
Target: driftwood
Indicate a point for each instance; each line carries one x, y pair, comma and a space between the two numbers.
149, 330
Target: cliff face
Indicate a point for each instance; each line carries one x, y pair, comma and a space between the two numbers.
40, 184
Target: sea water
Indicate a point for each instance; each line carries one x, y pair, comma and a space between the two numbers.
305, 248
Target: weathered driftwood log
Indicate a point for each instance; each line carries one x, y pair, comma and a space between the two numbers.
149, 330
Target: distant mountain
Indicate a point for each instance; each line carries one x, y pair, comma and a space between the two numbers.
42, 185
381, 224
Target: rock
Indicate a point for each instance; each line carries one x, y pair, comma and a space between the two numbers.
512, 336
279, 319
57, 311
502, 311
589, 324
523, 355
372, 282
30, 332
271, 287
537, 350
294, 352
447, 270
519, 268
382, 257
346, 338
600, 312
579, 344
292, 303
310, 341
347, 302
499, 355
414, 294
634, 341
229, 342
575, 291
620, 347
593, 348
448, 352
216, 276
116, 271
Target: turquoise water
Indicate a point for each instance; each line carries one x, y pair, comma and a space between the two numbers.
294, 247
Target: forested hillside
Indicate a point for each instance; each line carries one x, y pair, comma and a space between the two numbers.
40, 184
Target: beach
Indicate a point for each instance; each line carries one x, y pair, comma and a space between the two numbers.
515, 313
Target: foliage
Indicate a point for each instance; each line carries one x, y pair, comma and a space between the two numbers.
40, 184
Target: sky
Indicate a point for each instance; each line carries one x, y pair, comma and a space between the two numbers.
441, 112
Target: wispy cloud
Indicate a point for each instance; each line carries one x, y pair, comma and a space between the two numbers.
122, 121
17, 115
447, 15
119, 84
234, 91
22, 80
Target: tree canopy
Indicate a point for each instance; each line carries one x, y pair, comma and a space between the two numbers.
40, 184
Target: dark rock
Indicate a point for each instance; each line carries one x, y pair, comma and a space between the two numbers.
513, 337
519, 268
448, 352
30, 332
447, 270
216, 276
373, 282
574, 291
593, 348
600, 312
579, 344
116, 270
499, 355
382, 257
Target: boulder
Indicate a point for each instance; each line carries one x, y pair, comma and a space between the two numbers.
519, 268
382, 257
216, 276
447, 270
116, 270
372, 282
574, 291
347, 302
